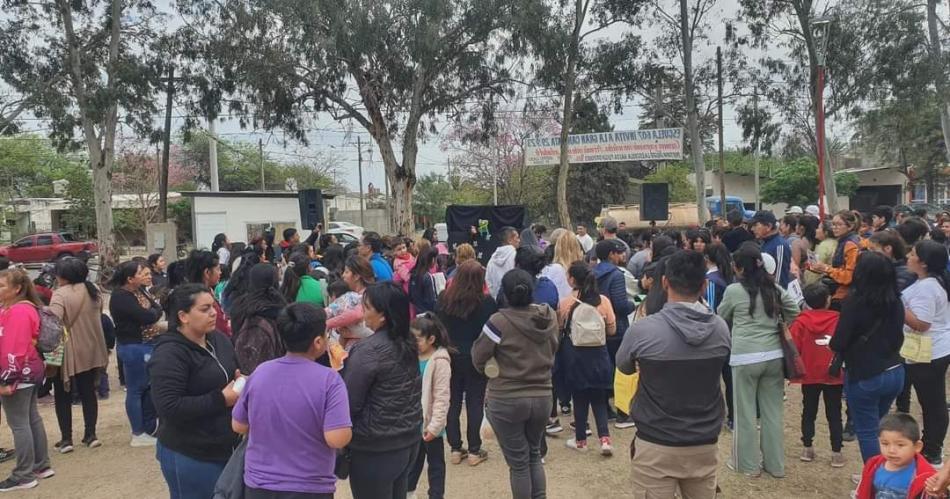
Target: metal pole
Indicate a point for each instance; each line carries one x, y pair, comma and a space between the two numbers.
821, 140
722, 156
166, 147
213, 155
260, 150
755, 152
359, 161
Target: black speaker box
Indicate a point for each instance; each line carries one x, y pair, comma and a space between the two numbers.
311, 208
655, 201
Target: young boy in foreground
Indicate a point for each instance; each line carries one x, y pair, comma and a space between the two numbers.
899, 471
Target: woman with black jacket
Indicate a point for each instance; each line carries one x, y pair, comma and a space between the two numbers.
193, 371
385, 393
869, 336
136, 316
256, 338
464, 308
422, 293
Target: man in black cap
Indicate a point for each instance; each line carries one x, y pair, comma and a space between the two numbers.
765, 229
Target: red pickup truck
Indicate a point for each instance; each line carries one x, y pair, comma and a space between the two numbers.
46, 247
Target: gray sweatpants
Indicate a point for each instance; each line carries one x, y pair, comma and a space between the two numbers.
29, 435
519, 427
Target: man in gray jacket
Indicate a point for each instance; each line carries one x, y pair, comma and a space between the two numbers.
678, 408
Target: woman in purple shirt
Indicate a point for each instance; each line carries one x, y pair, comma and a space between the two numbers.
294, 431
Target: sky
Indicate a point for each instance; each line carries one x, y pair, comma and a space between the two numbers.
340, 139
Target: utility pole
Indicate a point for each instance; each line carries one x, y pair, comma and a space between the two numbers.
260, 150
722, 156
660, 118
755, 136
359, 166
166, 147
213, 155
826, 182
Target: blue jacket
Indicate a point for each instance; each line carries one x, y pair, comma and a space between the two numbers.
780, 250
611, 284
381, 268
546, 292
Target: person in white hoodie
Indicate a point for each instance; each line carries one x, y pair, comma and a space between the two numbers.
502, 260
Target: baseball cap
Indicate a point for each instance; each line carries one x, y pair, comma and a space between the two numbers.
610, 224
794, 210
812, 210
607, 246
764, 217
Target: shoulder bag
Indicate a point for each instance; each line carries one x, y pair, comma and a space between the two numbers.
793, 366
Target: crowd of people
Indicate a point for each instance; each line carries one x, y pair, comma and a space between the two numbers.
278, 368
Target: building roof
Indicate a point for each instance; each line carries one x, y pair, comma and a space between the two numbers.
247, 194
867, 169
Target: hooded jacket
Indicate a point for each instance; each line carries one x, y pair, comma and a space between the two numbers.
381, 268
611, 283
917, 486
436, 392
680, 351
809, 329
523, 342
502, 260
186, 381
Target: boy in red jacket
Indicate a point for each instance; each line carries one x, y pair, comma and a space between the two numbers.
812, 332
899, 470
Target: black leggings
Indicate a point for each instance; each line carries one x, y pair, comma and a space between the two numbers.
381, 475
85, 384
929, 381
832, 397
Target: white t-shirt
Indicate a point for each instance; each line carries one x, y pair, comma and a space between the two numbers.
927, 299
224, 256
587, 242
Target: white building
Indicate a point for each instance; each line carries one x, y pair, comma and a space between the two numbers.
45, 214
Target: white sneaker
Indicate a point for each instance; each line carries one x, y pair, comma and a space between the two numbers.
411, 495
143, 440
573, 444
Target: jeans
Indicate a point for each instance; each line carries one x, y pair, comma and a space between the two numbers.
187, 478
596, 400
381, 475
930, 383
85, 384
434, 452
470, 383
869, 400
138, 401
832, 396
519, 427
29, 435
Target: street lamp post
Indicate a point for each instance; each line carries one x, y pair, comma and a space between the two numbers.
822, 25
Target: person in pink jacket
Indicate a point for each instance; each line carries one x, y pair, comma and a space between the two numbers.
403, 262
21, 375
345, 314
435, 364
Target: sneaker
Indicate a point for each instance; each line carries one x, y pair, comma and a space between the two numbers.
44, 473
611, 414
6, 454
837, 460
606, 449
457, 456
578, 445
936, 462
848, 436
10, 485
565, 409
92, 442
477, 457
856, 478
574, 428
732, 467
554, 427
143, 440
730, 425
64, 446
623, 422
808, 454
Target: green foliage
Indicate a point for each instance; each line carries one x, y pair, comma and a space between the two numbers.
180, 213
796, 184
80, 218
677, 175
431, 195
29, 165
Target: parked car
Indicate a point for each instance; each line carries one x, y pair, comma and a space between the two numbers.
47, 247
354, 230
343, 237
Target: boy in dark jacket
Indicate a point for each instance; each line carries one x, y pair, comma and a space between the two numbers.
812, 331
899, 470
611, 283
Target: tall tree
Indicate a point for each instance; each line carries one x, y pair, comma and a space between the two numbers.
95, 66
391, 67
939, 66
577, 65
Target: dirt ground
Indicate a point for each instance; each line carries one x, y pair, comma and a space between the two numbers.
116, 470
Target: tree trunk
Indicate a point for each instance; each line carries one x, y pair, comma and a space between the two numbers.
401, 216
935, 55
570, 77
696, 141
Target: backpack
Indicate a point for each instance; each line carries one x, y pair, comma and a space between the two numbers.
586, 326
51, 331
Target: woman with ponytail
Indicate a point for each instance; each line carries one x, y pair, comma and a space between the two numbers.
256, 339
519, 344
587, 370
78, 303
299, 285
754, 306
927, 311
